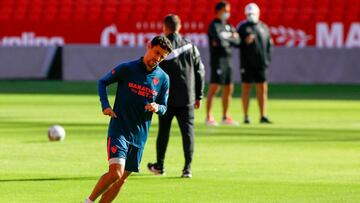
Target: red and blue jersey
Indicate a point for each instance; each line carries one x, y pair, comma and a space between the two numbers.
136, 87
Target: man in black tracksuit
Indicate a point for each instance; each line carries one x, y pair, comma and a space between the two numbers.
255, 57
222, 38
186, 73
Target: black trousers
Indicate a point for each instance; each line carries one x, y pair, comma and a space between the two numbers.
185, 117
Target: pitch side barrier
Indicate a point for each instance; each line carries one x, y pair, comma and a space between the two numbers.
289, 65
87, 62
26, 62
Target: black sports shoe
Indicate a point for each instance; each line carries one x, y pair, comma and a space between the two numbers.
246, 120
186, 173
155, 169
265, 120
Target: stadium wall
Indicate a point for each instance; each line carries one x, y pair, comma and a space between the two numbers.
26, 62
290, 65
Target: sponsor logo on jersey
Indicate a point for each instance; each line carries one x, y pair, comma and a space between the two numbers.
143, 90
155, 81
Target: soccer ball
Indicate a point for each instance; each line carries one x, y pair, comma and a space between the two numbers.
56, 133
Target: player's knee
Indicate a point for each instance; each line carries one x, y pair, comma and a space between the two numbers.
115, 175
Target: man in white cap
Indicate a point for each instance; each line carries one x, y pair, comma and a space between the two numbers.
255, 57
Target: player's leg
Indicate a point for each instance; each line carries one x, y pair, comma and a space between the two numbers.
117, 151
245, 95
227, 92
262, 94
213, 89
110, 194
185, 117
107, 180
247, 77
215, 81
133, 158
162, 141
262, 97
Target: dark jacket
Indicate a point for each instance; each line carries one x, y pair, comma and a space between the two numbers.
258, 54
186, 72
221, 38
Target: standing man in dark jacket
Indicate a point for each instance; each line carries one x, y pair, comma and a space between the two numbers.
186, 73
255, 57
222, 37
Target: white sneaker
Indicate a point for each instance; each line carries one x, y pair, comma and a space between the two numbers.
211, 122
87, 200
229, 121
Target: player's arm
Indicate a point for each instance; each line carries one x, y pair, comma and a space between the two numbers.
214, 33
246, 38
270, 44
115, 75
199, 76
235, 38
160, 106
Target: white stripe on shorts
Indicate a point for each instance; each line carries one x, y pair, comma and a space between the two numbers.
120, 161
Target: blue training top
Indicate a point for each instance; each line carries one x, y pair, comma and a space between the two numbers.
136, 88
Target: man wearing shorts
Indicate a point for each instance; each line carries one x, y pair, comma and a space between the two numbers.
142, 89
255, 57
222, 37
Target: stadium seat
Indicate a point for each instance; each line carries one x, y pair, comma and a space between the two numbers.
4, 16
124, 17
275, 12
351, 17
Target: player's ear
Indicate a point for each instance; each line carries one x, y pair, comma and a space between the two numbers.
148, 46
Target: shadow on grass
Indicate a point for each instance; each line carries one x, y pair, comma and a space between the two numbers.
286, 91
134, 176
47, 124
152, 176
272, 134
36, 141
255, 134
48, 179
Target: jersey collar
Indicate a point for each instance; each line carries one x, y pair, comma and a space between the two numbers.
142, 64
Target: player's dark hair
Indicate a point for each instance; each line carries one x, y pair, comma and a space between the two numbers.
172, 22
163, 42
220, 5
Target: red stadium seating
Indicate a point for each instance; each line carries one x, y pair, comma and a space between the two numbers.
291, 11
143, 16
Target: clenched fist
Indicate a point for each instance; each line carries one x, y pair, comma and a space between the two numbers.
109, 112
152, 107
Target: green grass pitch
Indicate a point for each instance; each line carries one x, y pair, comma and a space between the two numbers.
310, 154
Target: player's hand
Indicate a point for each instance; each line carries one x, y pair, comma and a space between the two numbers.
109, 112
235, 35
152, 107
250, 39
213, 43
197, 104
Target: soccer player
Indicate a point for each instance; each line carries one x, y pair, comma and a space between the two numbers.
186, 72
222, 37
142, 89
255, 57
